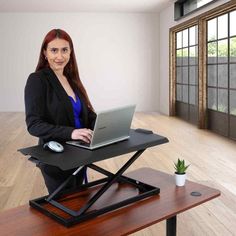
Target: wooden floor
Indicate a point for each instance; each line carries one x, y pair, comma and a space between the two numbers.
212, 159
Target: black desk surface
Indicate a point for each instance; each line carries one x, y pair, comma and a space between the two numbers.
73, 157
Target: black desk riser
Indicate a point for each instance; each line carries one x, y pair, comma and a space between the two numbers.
75, 157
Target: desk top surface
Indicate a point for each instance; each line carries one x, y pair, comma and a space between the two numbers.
73, 157
25, 221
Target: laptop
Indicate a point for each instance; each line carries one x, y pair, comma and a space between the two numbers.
111, 126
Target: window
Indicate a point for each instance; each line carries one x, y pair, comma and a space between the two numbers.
185, 7
203, 70
187, 73
217, 63
221, 73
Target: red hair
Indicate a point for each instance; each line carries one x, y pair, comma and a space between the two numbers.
71, 70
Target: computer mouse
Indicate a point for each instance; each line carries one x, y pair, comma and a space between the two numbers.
53, 146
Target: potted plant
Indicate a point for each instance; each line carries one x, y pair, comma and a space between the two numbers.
180, 173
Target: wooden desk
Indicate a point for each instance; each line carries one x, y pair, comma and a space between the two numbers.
172, 200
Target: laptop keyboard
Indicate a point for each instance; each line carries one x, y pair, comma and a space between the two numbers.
84, 144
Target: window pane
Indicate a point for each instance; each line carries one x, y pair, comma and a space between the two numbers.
196, 34
223, 100
212, 98
212, 75
179, 57
192, 95
193, 56
189, 6
185, 38
179, 39
202, 2
233, 49
193, 75
232, 23
193, 35
223, 26
232, 76
179, 93
185, 93
211, 52
233, 102
223, 76
185, 75
185, 56
211, 29
196, 93
179, 74
223, 51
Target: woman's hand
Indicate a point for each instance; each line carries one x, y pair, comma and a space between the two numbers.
82, 134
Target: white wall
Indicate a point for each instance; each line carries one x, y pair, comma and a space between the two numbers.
166, 21
117, 55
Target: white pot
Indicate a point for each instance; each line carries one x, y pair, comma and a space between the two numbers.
180, 179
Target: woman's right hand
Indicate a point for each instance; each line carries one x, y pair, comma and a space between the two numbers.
82, 134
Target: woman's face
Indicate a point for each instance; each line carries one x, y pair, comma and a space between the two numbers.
58, 54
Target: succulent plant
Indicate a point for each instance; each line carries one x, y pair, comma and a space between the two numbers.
180, 167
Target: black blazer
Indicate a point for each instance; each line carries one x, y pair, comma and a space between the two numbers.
49, 112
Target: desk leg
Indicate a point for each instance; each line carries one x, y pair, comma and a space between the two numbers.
171, 226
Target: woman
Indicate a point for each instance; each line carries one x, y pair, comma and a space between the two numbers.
56, 103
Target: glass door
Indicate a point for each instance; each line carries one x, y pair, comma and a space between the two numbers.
221, 74
187, 74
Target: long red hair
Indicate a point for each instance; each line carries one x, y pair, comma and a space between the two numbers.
71, 69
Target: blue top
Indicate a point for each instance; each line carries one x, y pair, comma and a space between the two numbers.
77, 107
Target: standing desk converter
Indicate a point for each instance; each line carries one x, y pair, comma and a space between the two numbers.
75, 157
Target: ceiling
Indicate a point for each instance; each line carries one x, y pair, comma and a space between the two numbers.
83, 5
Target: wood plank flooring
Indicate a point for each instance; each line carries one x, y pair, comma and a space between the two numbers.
212, 158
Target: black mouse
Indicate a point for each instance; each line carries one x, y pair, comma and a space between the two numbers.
53, 146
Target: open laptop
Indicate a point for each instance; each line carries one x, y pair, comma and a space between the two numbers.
111, 126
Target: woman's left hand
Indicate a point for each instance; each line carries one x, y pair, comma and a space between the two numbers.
82, 134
